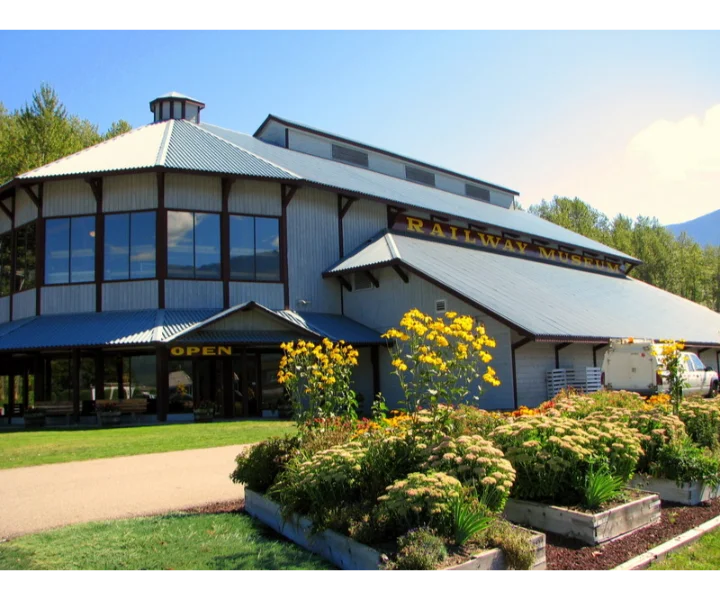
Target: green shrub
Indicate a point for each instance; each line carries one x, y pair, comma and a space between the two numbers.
514, 542
474, 461
468, 519
601, 487
259, 466
388, 459
422, 499
420, 549
702, 421
685, 462
469, 420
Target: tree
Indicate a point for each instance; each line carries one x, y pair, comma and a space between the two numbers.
43, 131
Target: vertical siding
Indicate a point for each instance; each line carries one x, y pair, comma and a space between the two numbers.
578, 356
710, 359
532, 362
274, 133
5, 223
362, 221
130, 192
269, 295
67, 197
193, 294
193, 192
130, 295
68, 299
252, 320
309, 144
313, 247
384, 164
449, 184
24, 304
362, 381
25, 209
383, 307
4, 309
255, 198
501, 198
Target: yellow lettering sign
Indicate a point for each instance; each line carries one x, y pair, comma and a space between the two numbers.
576, 260
468, 239
437, 230
521, 246
509, 246
453, 231
176, 351
224, 350
201, 350
208, 351
547, 252
414, 224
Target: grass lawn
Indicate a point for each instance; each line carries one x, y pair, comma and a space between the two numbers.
703, 555
175, 541
27, 448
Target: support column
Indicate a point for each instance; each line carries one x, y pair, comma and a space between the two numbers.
39, 379
26, 387
244, 383
162, 385
196, 391
228, 385
75, 377
11, 394
99, 376
119, 370
513, 348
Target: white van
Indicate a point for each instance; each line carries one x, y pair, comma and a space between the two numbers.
629, 364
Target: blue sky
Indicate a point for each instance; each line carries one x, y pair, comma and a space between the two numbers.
624, 120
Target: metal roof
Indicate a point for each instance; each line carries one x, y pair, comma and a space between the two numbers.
333, 136
112, 328
334, 327
178, 96
363, 182
543, 300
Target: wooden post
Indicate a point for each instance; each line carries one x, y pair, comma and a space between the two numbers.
196, 391
75, 376
11, 394
244, 390
228, 386
161, 241
513, 348
26, 386
119, 368
162, 392
99, 376
258, 385
39, 379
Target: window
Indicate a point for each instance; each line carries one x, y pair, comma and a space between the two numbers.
699, 365
130, 246
362, 281
25, 258
193, 245
348, 155
419, 176
70, 250
477, 192
254, 248
5, 263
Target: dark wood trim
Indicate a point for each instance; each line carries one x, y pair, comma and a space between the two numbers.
341, 234
32, 195
182, 104
344, 283
162, 383
373, 279
226, 186
8, 211
75, 378
434, 217
258, 385
288, 192
244, 390
596, 347
392, 214
99, 376
402, 274
38, 378
513, 348
120, 373
13, 259
26, 387
287, 137
348, 205
96, 185
717, 360
286, 195
375, 361
11, 395
161, 252
39, 252
559, 347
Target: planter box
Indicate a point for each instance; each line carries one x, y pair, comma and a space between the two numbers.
348, 554
34, 421
592, 529
108, 419
689, 494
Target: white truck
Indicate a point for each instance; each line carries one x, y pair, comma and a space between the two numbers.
630, 364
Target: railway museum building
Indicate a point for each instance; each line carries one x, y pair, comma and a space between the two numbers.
164, 268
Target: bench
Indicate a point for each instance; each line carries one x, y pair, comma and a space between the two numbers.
131, 406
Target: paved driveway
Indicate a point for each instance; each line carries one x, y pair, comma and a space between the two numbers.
47, 496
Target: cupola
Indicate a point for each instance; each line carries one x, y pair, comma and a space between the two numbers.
176, 106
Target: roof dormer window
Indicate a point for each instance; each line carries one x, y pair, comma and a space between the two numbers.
176, 106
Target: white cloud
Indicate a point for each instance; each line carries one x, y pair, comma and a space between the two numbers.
679, 150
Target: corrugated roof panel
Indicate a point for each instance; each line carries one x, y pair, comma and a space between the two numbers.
241, 337
175, 321
334, 327
376, 251
551, 301
193, 148
364, 182
137, 149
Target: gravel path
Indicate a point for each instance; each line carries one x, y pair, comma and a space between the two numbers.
48, 496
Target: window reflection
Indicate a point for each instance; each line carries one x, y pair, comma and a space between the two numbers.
130, 246
254, 248
5, 263
193, 245
70, 250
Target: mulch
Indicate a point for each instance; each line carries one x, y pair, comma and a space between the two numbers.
232, 506
566, 554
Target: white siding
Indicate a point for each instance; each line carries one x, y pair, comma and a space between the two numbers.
309, 144
68, 197
4, 309
578, 356
501, 198
362, 381
130, 295
5, 223
24, 304
130, 192
255, 198
251, 320
312, 248
362, 221
191, 192
25, 209
710, 359
532, 362
193, 294
68, 299
449, 184
383, 307
269, 295
387, 165
274, 133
